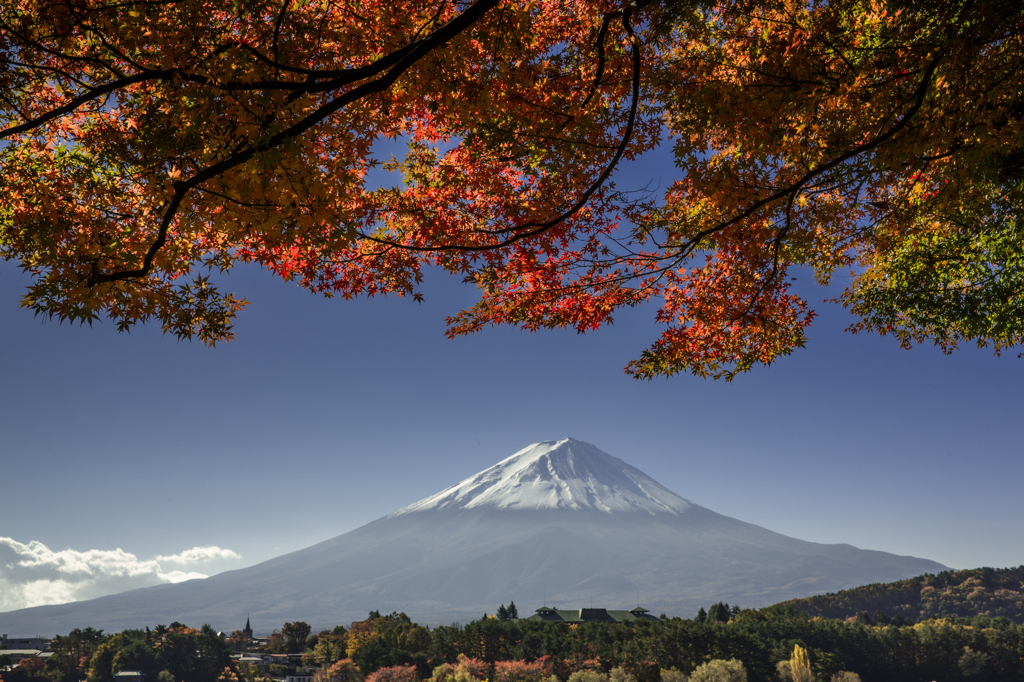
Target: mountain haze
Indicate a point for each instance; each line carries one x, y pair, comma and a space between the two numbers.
559, 521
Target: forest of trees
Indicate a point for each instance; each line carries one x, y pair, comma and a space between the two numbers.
971, 592
174, 653
761, 639
775, 644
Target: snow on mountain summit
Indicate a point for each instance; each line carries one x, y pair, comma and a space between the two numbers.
564, 474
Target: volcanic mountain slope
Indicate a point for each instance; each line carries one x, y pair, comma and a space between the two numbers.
559, 521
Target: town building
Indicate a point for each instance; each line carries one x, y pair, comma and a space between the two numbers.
41, 643
546, 613
15, 655
130, 676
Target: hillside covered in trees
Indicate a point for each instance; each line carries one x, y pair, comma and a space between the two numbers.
972, 592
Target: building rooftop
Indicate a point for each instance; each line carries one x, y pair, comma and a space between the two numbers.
587, 615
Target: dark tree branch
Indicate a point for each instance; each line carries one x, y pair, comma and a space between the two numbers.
91, 94
434, 41
538, 228
793, 189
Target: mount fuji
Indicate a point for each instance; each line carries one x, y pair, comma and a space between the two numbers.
559, 522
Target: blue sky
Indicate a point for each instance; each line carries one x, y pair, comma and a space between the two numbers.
326, 414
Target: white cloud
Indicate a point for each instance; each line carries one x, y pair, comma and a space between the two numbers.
198, 554
34, 575
181, 576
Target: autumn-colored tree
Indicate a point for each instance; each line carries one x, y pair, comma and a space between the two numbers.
250, 672
359, 634
101, 664
674, 675
330, 646
465, 669
621, 674
238, 641
395, 673
277, 643
845, 676
800, 665
522, 671
228, 675
588, 676
147, 144
719, 670
840, 135
341, 671
32, 666
145, 141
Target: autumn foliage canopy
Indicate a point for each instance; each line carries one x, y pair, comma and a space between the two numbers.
349, 144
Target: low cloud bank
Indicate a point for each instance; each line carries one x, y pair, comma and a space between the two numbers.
34, 575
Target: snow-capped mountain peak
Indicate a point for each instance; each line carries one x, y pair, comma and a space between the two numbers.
564, 474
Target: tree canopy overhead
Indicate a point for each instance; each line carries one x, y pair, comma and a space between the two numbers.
148, 143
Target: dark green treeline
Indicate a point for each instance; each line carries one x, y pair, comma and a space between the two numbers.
922, 652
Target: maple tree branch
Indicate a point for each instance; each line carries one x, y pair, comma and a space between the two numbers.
341, 76
693, 243
776, 245
540, 228
92, 94
233, 200
599, 43
158, 243
36, 44
277, 25
338, 78
424, 47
